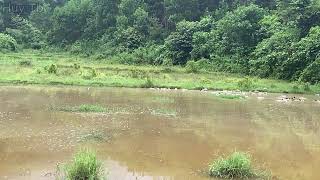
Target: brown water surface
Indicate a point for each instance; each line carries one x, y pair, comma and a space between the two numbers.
152, 134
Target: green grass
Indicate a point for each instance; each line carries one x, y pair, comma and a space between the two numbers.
237, 166
32, 67
83, 108
85, 166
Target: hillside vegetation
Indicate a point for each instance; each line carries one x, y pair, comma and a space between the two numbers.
262, 38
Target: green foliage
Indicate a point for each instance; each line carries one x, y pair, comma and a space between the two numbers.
85, 165
52, 69
83, 108
7, 42
246, 84
192, 67
179, 44
89, 74
238, 31
70, 22
76, 66
25, 33
236, 166
278, 39
312, 73
305, 53
270, 54
91, 108
41, 19
25, 63
129, 38
147, 84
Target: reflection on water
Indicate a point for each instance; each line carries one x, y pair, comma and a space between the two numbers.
155, 135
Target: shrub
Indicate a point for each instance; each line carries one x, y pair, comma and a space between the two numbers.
295, 88
7, 42
92, 73
246, 83
25, 63
76, 66
236, 166
192, 67
85, 166
167, 70
52, 69
306, 86
137, 73
147, 84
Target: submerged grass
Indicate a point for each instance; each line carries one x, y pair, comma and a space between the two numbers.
95, 136
83, 108
164, 112
85, 166
230, 96
33, 67
236, 166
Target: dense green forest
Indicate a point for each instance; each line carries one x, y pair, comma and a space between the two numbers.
266, 38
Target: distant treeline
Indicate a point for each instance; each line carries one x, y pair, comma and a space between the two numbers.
266, 38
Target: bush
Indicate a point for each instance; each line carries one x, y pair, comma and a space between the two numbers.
147, 84
84, 166
25, 63
246, 83
7, 42
92, 73
76, 66
85, 48
192, 67
52, 69
236, 166
25, 33
167, 70
137, 73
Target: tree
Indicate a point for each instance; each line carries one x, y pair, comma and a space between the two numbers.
311, 73
271, 53
105, 14
238, 32
70, 22
42, 18
305, 52
25, 33
179, 44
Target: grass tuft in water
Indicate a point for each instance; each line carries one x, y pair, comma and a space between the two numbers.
236, 166
164, 112
85, 166
95, 136
84, 108
230, 96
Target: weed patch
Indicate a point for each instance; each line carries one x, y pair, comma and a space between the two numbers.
236, 166
85, 166
83, 108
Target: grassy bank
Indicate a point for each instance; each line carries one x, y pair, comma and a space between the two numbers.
34, 67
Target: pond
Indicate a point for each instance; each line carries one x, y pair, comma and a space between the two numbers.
151, 134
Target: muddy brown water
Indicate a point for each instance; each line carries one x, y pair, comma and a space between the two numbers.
155, 135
